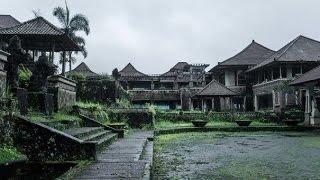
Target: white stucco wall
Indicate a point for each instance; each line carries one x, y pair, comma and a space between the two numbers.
229, 78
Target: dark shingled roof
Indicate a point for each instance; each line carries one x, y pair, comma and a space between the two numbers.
178, 66
129, 70
83, 69
214, 88
39, 34
7, 21
34, 26
299, 49
310, 76
253, 54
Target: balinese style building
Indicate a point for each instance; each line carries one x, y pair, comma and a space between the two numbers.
309, 83
169, 90
231, 74
271, 75
7, 21
84, 70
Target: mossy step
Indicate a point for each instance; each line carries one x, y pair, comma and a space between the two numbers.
62, 125
83, 131
97, 136
106, 140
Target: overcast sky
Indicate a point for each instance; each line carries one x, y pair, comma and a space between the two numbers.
155, 34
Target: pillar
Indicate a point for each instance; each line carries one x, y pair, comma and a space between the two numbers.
244, 103
202, 105
256, 108
212, 104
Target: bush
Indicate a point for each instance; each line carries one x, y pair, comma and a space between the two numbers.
215, 116
24, 76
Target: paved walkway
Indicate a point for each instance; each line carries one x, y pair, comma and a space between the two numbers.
128, 158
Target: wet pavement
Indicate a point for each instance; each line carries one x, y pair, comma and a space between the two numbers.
256, 155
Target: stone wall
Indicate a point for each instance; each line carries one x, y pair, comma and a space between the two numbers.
64, 91
42, 143
3, 73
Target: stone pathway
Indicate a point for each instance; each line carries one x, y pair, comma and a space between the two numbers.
128, 158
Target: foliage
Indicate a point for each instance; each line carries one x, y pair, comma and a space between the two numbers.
292, 113
186, 116
75, 76
24, 75
115, 73
72, 25
62, 115
122, 103
101, 90
9, 153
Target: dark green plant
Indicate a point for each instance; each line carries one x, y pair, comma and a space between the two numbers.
24, 75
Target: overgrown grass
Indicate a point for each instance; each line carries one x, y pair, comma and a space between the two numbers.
59, 116
89, 105
9, 153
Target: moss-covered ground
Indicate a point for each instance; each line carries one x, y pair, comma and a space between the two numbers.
9, 153
241, 155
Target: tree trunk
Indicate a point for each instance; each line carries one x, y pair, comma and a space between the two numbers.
63, 63
70, 60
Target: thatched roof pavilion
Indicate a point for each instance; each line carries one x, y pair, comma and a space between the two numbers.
39, 34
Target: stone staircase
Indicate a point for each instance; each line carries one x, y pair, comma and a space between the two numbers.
62, 140
97, 135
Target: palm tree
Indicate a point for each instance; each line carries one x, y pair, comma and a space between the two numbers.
72, 25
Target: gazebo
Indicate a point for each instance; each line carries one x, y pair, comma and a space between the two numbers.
39, 34
215, 96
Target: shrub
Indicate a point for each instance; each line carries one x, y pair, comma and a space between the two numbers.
24, 76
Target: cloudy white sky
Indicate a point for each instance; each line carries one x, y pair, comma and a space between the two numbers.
155, 34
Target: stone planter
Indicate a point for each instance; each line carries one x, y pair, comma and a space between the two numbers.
199, 123
291, 122
243, 122
118, 126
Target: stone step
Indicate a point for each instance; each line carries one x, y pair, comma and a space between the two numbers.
84, 131
96, 136
107, 140
62, 125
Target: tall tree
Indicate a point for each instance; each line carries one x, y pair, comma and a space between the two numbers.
72, 25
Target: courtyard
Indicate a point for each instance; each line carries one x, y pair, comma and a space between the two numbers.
239, 155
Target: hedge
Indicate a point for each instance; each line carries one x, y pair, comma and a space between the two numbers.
264, 116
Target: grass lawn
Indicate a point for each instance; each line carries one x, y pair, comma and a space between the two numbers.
163, 124
9, 153
239, 155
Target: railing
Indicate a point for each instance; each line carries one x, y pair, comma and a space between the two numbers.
270, 82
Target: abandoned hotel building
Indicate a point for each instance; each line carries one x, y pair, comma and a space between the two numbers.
257, 78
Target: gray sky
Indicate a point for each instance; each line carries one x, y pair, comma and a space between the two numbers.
155, 34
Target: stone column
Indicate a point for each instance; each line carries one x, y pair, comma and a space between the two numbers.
256, 108
274, 100
152, 85
191, 104
244, 103
202, 107
212, 104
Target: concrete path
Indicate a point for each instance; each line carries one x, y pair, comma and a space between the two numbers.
128, 158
